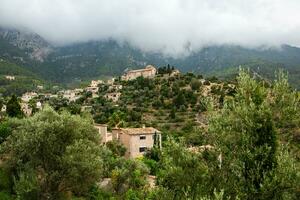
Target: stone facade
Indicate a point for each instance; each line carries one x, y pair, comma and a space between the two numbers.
137, 140
28, 96
102, 130
71, 95
95, 83
148, 72
113, 96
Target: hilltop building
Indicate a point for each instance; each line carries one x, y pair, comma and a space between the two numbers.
148, 72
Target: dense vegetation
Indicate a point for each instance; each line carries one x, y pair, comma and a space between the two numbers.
24, 81
243, 144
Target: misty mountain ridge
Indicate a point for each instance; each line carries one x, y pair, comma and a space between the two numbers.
92, 59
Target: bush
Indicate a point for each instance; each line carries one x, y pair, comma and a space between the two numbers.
5, 196
5, 180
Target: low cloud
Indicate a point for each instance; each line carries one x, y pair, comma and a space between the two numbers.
173, 27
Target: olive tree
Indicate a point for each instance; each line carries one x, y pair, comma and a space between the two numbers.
59, 152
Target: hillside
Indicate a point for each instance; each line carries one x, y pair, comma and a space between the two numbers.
84, 61
24, 80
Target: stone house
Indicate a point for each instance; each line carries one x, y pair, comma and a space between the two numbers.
175, 72
71, 95
3, 109
105, 136
111, 81
86, 108
11, 78
115, 88
93, 90
95, 83
39, 105
28, 96
148, 72
114, 96
26, 109
137, 140
40, 87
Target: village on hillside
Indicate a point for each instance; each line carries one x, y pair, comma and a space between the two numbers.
136, 139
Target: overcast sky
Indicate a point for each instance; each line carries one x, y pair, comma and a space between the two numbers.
170, 26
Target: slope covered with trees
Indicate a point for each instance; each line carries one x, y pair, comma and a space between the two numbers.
24, 80
247, 149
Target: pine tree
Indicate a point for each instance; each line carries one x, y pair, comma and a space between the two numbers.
13, 108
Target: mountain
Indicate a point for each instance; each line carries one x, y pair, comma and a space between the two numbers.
31, 44
83, 61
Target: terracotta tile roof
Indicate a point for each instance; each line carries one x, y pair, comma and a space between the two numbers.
138, 131
148, 68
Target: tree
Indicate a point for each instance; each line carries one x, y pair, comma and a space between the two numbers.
117, 119
59, 152
1, 104
13, 108
116, 148
179, 99
182, 171
246, 135
32, 105
195, 84
173, 113
5, 131
129, 174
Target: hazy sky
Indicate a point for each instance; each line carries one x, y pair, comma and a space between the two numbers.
170, 26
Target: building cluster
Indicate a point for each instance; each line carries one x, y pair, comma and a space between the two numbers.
71, 95
136, 140
26, 107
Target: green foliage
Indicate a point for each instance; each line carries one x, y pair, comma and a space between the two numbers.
129, 174
6, 180
13, 108
25, 80
116, 148
117, 119
195, 84
182, 172
5, 196
63, 150
179, 100
26, 186
97, 194
5, 131
247, 137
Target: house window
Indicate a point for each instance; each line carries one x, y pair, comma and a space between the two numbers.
142, 137
142, 149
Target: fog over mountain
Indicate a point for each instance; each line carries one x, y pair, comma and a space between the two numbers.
174, 27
